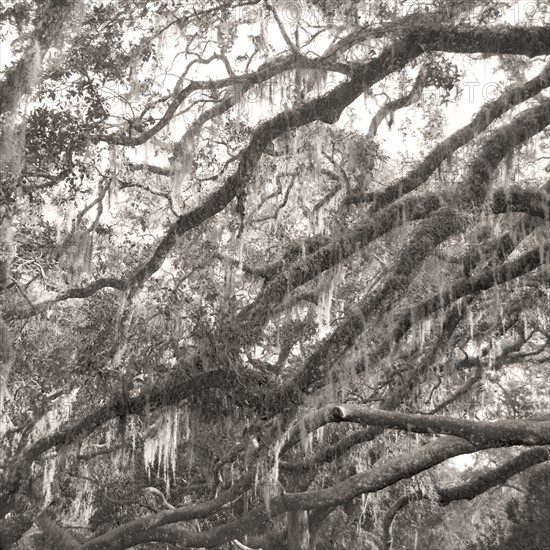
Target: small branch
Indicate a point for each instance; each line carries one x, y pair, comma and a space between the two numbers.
164, 195
98, 452
289, 43
160, 494
463, 390
391, 107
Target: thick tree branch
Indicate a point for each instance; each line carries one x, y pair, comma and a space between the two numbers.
176, 389
517, 199
253, 317
525, 40
489, 277
56, 536
372, 480
512, 96
480, 483
436, 229
483, 434
495, 434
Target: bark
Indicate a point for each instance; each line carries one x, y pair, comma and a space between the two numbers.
495, 434
298, 530
500, 248
498, 145
516, 199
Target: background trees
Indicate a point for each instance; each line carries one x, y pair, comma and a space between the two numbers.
267, 267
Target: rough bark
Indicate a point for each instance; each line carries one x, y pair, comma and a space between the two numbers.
298, 530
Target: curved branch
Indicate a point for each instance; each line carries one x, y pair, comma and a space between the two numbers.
392, 106
490, 277
462, 390
175, 390
494, 434
512, 96
70, 294
380, 476
477, 485
515, 199
254, 316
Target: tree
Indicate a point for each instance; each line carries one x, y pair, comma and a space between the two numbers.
233, 312
529, 528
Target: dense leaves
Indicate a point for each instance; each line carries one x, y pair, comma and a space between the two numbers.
266, 268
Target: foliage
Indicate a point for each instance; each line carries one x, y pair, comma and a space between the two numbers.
265, 268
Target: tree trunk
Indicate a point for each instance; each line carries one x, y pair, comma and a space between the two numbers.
298, 530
